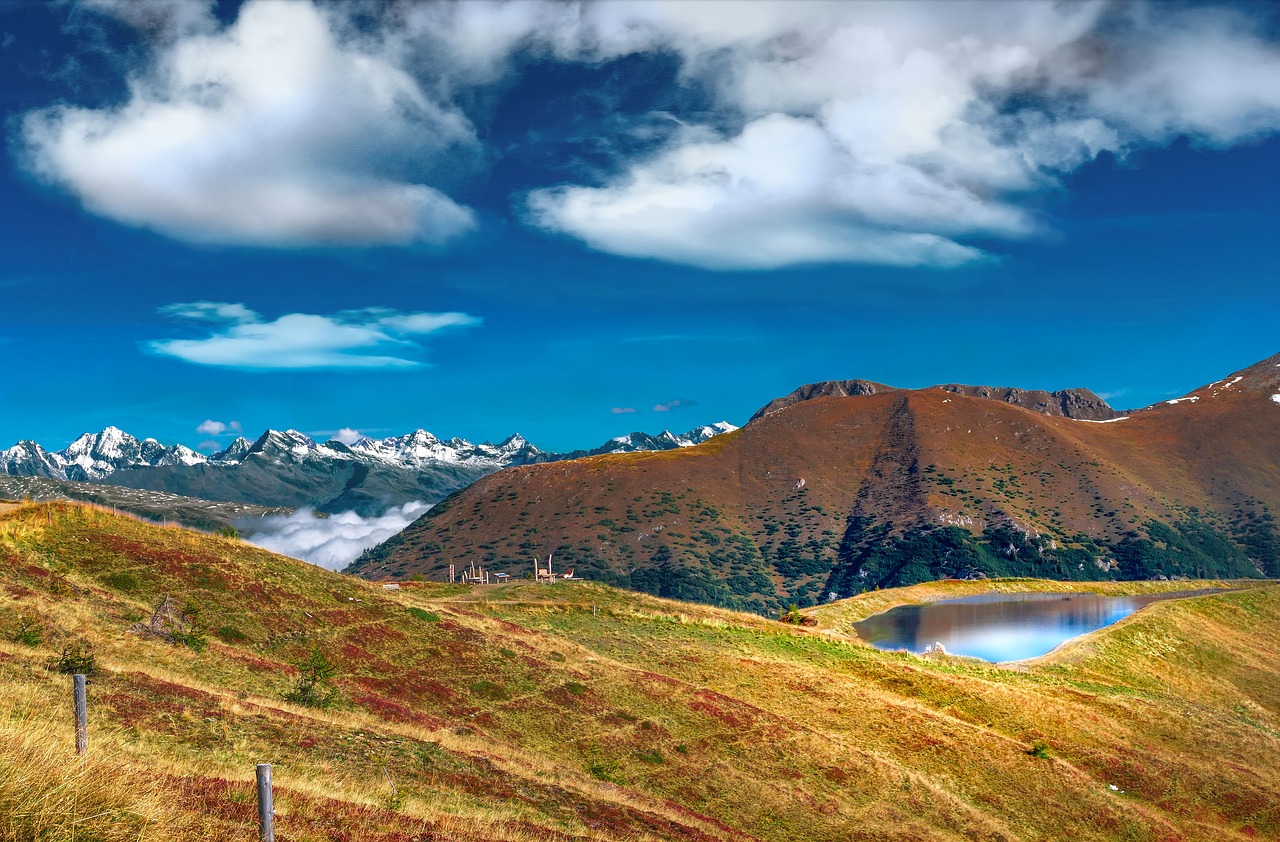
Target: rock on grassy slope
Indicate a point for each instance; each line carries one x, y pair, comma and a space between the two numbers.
577, 711
839, 490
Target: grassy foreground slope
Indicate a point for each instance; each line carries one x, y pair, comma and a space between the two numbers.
576, 711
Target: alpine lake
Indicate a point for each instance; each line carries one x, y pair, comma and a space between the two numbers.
1000, 627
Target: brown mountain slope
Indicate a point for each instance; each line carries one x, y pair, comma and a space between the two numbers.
842, 493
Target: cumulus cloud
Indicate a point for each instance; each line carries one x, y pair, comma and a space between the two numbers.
374, 337
894, 133
280, 130
347, 436
331, 542
890, 132
216, 428
673, 404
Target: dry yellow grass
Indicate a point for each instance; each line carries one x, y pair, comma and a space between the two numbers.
47, 792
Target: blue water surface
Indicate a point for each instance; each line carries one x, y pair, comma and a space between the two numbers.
999, 627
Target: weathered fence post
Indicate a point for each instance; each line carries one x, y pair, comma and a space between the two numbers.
266, 814
82, 715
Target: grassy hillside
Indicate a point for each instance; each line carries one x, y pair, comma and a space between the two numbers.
576, 711
843, 494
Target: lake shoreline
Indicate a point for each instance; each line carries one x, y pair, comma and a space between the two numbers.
837, 617
1001, 627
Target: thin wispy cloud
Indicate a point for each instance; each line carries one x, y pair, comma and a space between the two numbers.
677, 403
162, 18
623, 410
356, 339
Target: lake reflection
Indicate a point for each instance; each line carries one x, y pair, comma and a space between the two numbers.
999, 627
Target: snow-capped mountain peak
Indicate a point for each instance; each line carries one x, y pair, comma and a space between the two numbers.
233, 452
700, 434
93, 456
666, 440
96, 456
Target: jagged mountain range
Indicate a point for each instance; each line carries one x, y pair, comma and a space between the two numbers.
289, 469
849, 485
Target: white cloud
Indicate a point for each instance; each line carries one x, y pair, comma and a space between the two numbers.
673, 404
623, 410
162, 17
376, 337
346, 435
278, 131
209, 445
780, 193
216, 428
331, 542
891, 132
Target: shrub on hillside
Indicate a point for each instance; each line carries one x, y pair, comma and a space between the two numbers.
76, 657
28, 632
425, 616
793, 616
314, 687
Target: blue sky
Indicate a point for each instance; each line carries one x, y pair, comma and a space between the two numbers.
578, 220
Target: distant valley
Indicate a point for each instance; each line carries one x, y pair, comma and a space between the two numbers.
159, 506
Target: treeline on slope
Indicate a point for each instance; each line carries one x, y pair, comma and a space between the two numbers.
712, 561
873, 555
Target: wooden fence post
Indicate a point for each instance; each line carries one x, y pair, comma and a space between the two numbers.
266, 813
82, 714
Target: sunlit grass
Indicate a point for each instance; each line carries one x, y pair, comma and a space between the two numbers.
577, 711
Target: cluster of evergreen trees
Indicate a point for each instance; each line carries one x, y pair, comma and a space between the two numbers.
875, 555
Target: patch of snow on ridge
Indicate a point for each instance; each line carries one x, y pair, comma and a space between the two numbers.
1233, 382
1108, 420
1193, 399
1276, 398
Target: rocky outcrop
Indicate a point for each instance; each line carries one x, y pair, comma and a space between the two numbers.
825, 389
1080, 404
